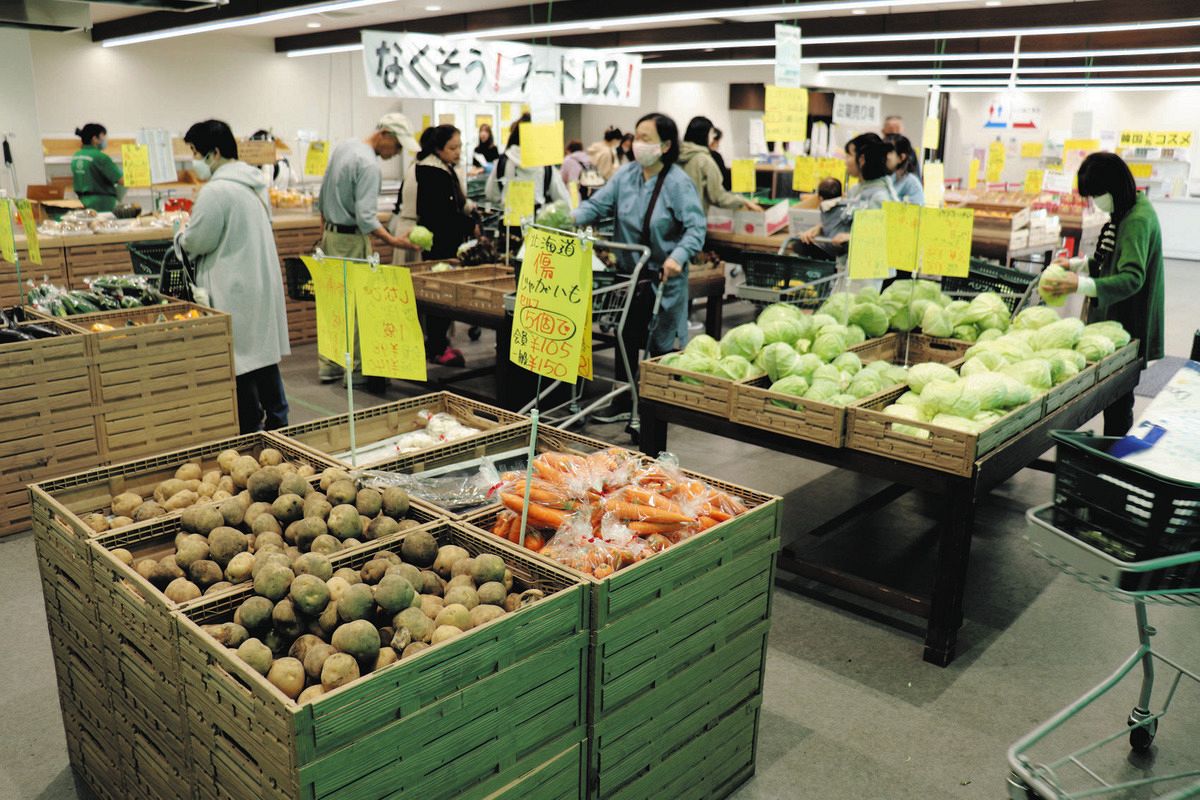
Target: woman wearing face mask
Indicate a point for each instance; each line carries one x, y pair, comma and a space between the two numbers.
867, 160
655, 204
1125, 276
95, 178
434, 197
906, 172
230, 240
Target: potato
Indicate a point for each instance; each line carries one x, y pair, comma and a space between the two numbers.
123, 505
206, 490
192, 485
97, 522
225, 484
182, 500
270, 457
305, 471
243, 468
310, 694
168, 489
220, 494
213, 476
225, 460
181, 590
119, 522
188, 472
147, 511
124, 556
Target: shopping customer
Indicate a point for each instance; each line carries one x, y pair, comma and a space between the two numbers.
230, 240
893, 125
906, 172
1125, 280
575, 162
867, 160
655, 204
697, 162
625, 151
714, 147
603, 154
548, 186
349, 206
485, 149
94, 176
435, 197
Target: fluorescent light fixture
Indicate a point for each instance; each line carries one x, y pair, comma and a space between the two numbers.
1008, 70
1041, 81
993, 3
312, 25
858, 12
433, 8
1048, 55
729, 62
324, 51
1060, 89
240, 22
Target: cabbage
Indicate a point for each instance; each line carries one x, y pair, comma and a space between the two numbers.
956, 422
935, 322
1110, 329
803, 346
778, 360
793, 385
744, 340
877, 366
734, 368
987, 417
864, 384
556, 215
1061, 363
918, 308
929, 290
902, 319
987, 310
920, 375
705, 345
1035, 317
955, 310
777, 311
867, 294
909, 399
965, 333
829, 373
944, 397
842, 399
829, 346
1072, 356
422, 237
989, 335
1034, 373
855, 335
848, 362
1052, 272
1095, 347
823, 391
974, 366
1062, 334
909, 413
1069, 370
987, 388
872, 318
807, 364
693, 362
895, 375
820, 320
1006, 347
778, 329
1016, 393
838, 306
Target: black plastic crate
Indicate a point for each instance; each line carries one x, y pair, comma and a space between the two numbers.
1124, 510
985, 276
299, 281
775, 278
156, 257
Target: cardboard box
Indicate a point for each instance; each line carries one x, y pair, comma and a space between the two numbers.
767, 222
801, 219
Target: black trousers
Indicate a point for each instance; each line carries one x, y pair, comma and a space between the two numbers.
1118, 418
637, 328
437, 335
262, 404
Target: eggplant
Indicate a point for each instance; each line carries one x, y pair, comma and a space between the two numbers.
38, 331
13, 335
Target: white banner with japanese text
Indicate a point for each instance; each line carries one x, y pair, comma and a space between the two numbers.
422, 65
857, 111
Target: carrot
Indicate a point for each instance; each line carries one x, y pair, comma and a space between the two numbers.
639, 495
539, 515
501, 526
643, 513
716, 513
564, 462
647, 528
533, 540
547, 496
730, 502
707, 522
548, 473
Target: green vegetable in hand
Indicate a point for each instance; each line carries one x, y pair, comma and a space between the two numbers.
422, 237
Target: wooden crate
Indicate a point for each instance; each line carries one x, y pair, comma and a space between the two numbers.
486, 295
330, 436
298, 241
870, 430
682, 387
922, 348
53, 269
136, 432
301, 321
480, 701
1110, 365
1067, 391
442, 287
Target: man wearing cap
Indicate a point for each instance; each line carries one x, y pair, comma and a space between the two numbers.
349, 206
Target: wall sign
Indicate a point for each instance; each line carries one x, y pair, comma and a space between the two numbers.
477, 70
859, 111
787, 56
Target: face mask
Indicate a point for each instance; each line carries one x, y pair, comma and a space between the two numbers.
102, 144
647, 153
201, 168
1104, 202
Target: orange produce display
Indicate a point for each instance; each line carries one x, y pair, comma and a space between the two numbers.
604, 511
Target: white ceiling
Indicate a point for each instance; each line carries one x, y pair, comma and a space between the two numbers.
392, 12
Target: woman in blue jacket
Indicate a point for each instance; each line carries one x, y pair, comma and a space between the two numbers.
655, 204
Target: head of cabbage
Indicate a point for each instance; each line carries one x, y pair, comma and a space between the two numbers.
988, 388
944, 397
838, 306
936, 322
1035, 317
735, 368
820, 321
1063, 333
788, 331
1053, 272
855, 335
871, 317
830, 374
864, 384
965, 333
1110, 329
987, 311
807, 364
1033, 372
1095, 347
792, 385
823, 391
778, 360
829, 346
848, 362
779, 311
920, 375
704, 345
744, 340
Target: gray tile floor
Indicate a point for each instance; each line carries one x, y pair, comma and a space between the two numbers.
850, 710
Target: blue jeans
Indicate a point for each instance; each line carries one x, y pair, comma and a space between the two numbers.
262, 404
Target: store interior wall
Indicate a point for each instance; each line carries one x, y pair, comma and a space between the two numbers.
18, 110
1112, 111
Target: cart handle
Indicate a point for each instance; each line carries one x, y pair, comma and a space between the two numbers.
786, 247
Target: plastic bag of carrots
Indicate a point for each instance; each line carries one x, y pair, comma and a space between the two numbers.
604, 511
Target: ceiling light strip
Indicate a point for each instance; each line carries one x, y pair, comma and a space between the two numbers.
935, 71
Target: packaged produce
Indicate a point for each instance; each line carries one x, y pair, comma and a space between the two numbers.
105, 293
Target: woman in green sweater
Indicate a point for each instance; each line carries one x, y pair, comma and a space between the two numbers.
1125, 280
94, 175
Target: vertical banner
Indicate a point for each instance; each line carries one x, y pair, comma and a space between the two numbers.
518, 202
332, 305
787, 56
554, 301
743, 178
317, 159
135, 163
901, 222
944, 241
1033, 181
8, 245
25, 210
392, 344
868, 246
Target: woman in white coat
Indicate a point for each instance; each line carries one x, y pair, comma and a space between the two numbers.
548, 186
230, 240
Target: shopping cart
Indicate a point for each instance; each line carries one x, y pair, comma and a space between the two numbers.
783, 277
157, 258
612, 296
1160, 518
1017, 288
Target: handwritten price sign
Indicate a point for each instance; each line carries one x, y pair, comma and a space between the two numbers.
944, 242
868, 245
901, 221
389, 331
334, 329
554, 302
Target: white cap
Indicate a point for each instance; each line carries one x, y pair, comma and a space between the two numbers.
396, 124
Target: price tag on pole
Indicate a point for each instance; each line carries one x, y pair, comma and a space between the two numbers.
973, 174
316, 160
935, 183
931, 137
868, 247
995, 161
743, 178
944, 241
25, 210
135, 164
518, 202
1033, 181
8, 245
804, 175
785, 115
901, 222
541, 143
390, 334
554, 301
335, 329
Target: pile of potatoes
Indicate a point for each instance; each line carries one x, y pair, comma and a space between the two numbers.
280, 517
309, 628
192, 485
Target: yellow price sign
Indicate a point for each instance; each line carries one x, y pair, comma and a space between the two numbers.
541, 143
934, 179
804, 175
1081, 146
25, 211
554, 301
585, 350
426, 121
8, 245
135, 164
944, 241
518, 202
573, 191
1032, 149
389, 332
1033, 181
785, 114
832, 168
1141, 170
483, 119
901, 222
868, 246
335, 308
743, 175
997, 154
973, 174
931, 137
316, 161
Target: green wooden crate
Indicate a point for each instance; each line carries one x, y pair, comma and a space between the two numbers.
464, 711
560, 778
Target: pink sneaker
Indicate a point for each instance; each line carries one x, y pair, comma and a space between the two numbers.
452, 357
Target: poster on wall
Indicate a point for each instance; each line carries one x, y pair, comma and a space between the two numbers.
440, 68
857, 111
